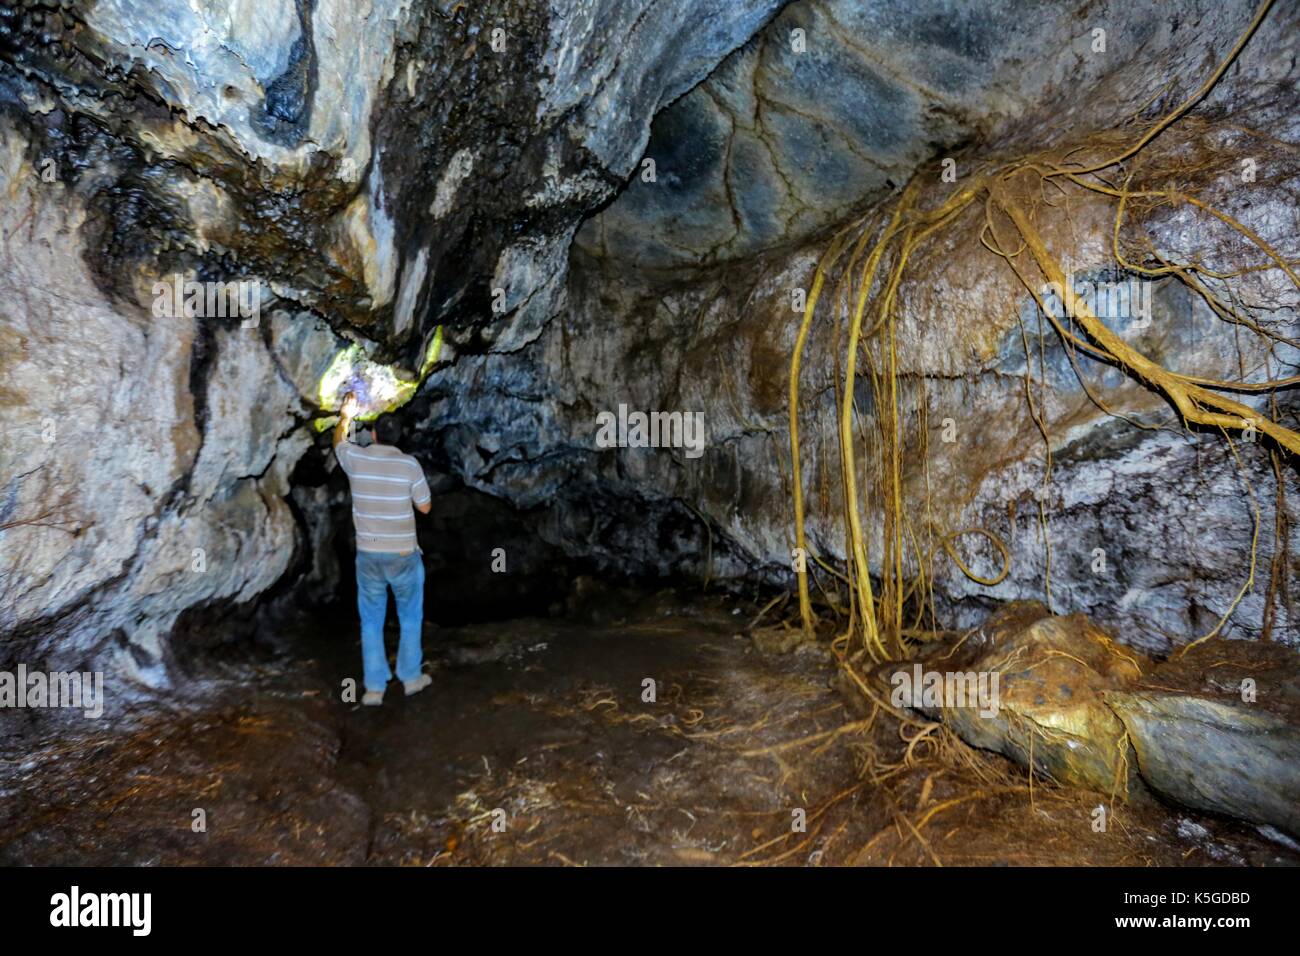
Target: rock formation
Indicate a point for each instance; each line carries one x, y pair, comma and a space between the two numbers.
379, 171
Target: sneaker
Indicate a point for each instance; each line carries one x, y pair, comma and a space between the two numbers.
417, 685
372, 698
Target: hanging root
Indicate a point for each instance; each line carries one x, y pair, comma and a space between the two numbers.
1196, 403
1013, 196
948, 539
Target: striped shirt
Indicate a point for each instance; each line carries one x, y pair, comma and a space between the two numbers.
385, 482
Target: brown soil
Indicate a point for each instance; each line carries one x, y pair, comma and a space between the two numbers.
535, 746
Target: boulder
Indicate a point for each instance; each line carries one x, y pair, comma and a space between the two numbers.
1215, 729
1219, 729
1043, 681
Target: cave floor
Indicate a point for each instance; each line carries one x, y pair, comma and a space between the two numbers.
535, 746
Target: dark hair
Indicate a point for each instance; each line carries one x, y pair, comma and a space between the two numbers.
388, 430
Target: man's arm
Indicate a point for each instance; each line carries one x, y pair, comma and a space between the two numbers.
420, 495
347, 412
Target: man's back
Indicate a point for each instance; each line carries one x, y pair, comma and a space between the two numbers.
385, 483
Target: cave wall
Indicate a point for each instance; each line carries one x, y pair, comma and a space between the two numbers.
835, 104
1169, 508
383, 169
145, 461
1172, 512
377, 169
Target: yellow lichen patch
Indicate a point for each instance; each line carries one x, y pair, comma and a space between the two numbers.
379, 388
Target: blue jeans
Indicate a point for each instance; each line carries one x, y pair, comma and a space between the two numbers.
376, 573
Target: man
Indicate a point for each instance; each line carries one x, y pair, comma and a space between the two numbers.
385, 484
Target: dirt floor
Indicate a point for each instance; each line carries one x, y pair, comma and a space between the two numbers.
538, 745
